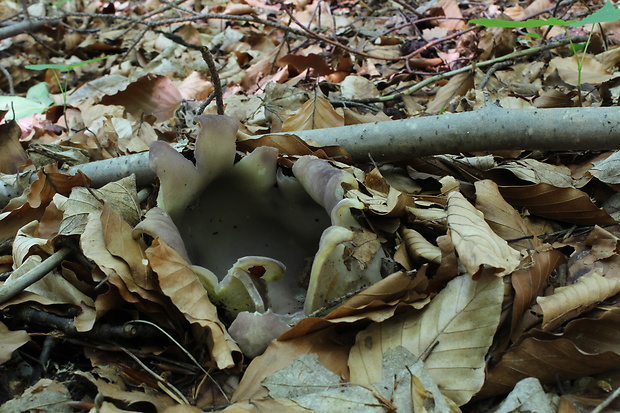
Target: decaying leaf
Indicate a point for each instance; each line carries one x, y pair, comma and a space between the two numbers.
451, 335
476, 244
316, 113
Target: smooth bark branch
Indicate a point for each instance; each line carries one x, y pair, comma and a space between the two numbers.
487, 129
24, 26
15, 287
490, 128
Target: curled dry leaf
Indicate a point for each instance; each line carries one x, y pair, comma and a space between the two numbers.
530, 281
419, 247
569, 302
179, 282
157, 223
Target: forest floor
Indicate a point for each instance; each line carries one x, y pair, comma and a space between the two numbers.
309, 206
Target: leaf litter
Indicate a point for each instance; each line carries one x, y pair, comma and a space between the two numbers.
264, 271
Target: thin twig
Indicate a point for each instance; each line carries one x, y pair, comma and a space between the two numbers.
187, 353
9, 79
215, 78
161, 382
607, 401
433, 79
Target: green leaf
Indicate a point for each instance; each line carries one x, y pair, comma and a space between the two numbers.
66, 68
528, 23
46, 66
37, 100
24, 108
39, 93
607, 13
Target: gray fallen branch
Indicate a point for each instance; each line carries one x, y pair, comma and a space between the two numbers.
24, 26
487, 129
11, 289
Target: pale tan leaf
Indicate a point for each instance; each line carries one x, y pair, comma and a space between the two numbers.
503, 219
118, 236
179, 282
536, 172
11, 341
316, 113
121, 196
26, 242
476, 244
458, 85
419, 247
592, 72
327, 343
568, 302
452, 335
265, 405
93, 247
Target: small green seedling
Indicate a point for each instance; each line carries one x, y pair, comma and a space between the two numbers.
64, 68
608, 13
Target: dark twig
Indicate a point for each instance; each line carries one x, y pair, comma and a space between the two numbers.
215, 78
9, 79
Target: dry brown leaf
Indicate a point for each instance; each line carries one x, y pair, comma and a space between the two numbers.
301, 63
562, 204
93, 247
179, 282
331, 345
316, 113
118, 236
261, 406
419, 247
452, 335
587, 347
502, 218
530, 281
116, 390
594, 252
149, 95
11, 341
32, 203
458, 85
592, 72
293, 145
476, 244
12, 155
377, 303
534, 171
569, 302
